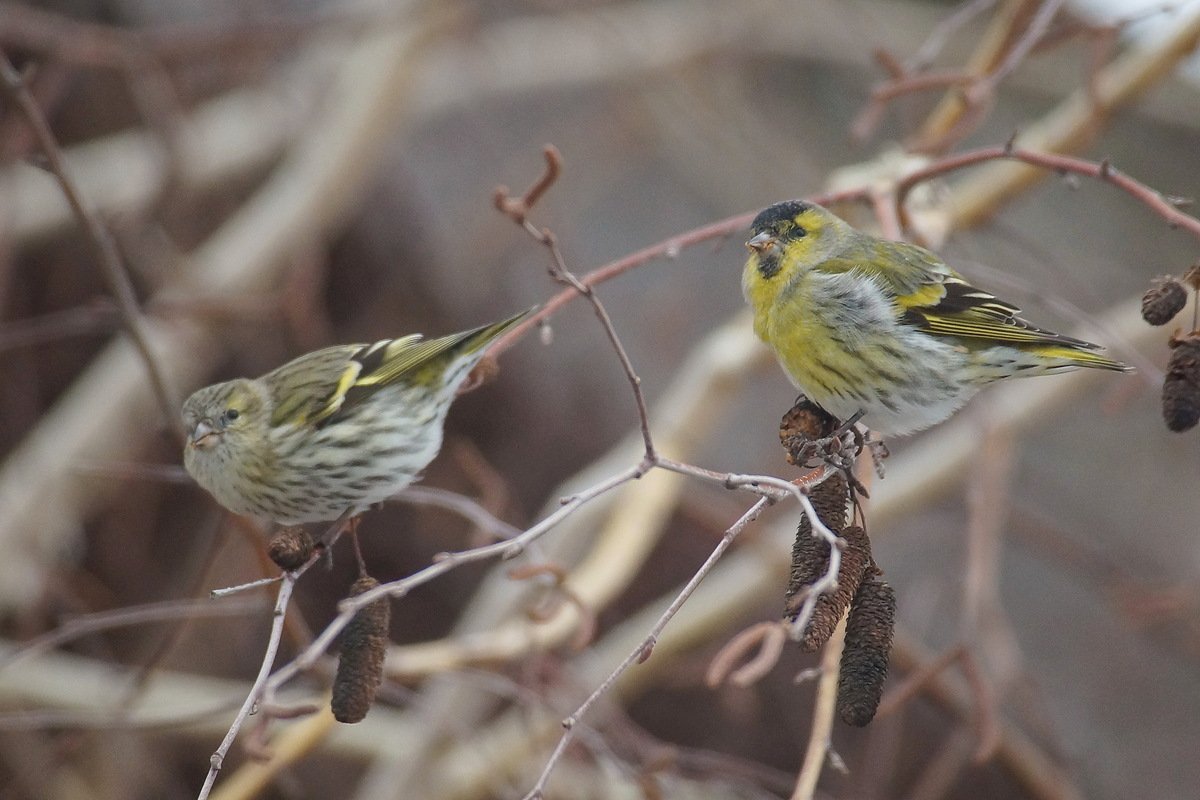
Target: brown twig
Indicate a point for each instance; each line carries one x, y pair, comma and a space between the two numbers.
1021, 48
99, 238
883, 94
84, 625
585, 631
667, 248
1063, 164
1001, 52
767, 636
645, 647
518, 210
91, 44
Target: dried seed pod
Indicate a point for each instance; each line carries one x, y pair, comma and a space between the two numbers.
1163, 300
830, 606
360, 663
805, 422
1181, 388
290, 548
810, 554
865, 655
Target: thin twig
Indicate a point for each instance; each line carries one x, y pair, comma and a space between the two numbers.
227, 591
646, 647
86, 320
767, 638
518, 210
261, 688
444, 563
1102, 170
668, 248
1033, 34
217, 760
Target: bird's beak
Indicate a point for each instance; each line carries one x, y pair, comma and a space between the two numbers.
203, 435
760, 242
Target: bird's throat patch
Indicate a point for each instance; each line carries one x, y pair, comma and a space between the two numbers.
769, 263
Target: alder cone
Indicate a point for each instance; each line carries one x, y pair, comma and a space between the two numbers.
360, 663
1181, 388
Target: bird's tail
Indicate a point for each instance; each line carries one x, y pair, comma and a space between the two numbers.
1075, 357
478, 338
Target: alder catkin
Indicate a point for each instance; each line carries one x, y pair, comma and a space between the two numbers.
830, 606
864, 665
1181, 388
290, 548
1163, 300
804, 423
810, 554
360, 663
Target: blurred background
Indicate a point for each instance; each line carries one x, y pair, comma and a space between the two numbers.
278, 175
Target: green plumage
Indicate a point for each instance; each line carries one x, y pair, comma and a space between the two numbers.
864, 324
332, 431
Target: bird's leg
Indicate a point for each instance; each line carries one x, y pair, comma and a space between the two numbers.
352, 529
348, 521
841, 446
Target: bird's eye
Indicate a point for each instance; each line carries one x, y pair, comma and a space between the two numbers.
231, 414
798, 232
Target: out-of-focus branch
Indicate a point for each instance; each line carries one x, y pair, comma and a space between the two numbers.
1006, 26
1051, 162
817, 752
291, 745
120, 174
102, 414
1075, 121
79, 692
1028, 762
76, 627
103, 247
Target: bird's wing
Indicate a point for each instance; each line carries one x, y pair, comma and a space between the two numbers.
899, 268
934, 298
314, 388
311, 388
945, 304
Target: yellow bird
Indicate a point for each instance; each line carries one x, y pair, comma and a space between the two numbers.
866, 325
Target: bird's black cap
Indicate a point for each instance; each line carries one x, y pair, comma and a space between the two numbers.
787, 211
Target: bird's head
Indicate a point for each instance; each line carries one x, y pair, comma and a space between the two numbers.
223, 419
791, 236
